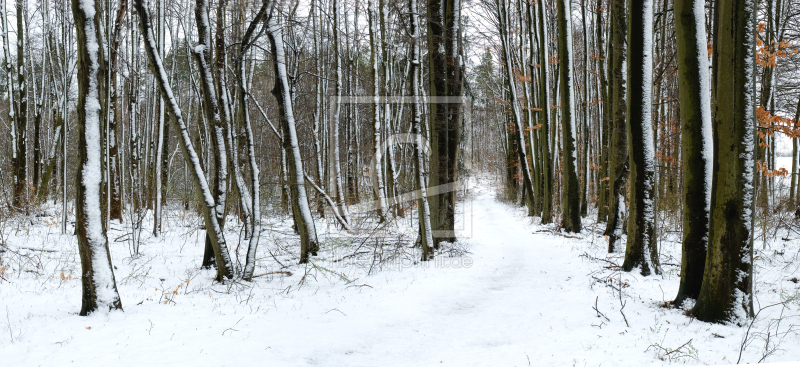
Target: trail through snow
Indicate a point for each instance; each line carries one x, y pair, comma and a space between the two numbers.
520, 298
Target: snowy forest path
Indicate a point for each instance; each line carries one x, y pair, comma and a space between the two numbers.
518, 298
524, 298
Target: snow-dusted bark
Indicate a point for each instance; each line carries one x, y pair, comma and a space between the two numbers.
97, 276
641, 251
255, 206
545, 159
218, 131
446, 80
114, 174
305, 223
618, 136
586, 122
726, 294
15, 132
224, 103
694, 85
519, 135
319, 107
603, 186
224, 265
327, 198
377, 169
10, 88
414, 73
159, 131
570, 190
334, 126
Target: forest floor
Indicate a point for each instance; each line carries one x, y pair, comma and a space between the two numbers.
510, 293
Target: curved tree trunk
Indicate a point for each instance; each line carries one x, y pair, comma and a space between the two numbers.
309, 244
255, 206
209, 207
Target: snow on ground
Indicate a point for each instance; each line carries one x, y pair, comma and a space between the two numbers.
521, 295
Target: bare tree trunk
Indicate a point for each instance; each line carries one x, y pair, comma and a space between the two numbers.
97, 275
377, 168
159, 143
641, 251
224, 264
255, 206
696, 142
309, 244
446, 80
15, 133
114, 174
334, 127
571, 190
519, 133
426, 232
726, 294
618, 151
544, 120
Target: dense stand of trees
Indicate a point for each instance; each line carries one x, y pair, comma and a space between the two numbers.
634, 84
627, 113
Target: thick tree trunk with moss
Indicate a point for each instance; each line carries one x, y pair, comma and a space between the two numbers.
726, 293
694, 88
97, 275
445, 116
641, 251
618, 150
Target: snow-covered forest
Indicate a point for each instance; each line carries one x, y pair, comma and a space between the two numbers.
399, 182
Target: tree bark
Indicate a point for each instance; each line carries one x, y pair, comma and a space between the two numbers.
99, 287
545, 160
618, 151
377, 159
519, 131
209, 207
570, 190
445, 116
309, 244
726, 292
641, 251
694, 88
605, 143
